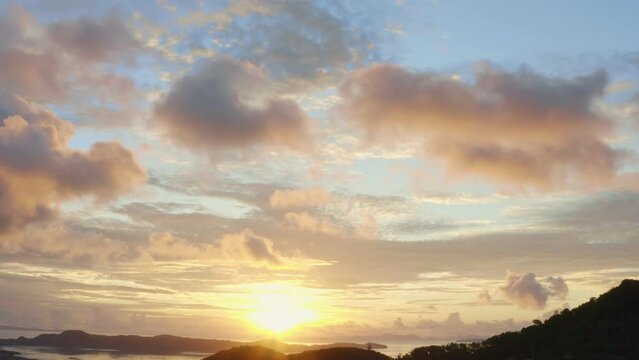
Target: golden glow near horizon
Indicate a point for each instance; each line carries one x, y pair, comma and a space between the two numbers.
278, 309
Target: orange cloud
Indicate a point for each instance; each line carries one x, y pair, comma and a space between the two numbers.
299, 198
244, 246
166, 246
64, 63
248, 246
519, 128
38, 170
39, 75
305, 221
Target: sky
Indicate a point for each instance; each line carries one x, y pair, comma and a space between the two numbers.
315, 170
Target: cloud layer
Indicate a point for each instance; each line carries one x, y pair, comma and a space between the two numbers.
95, 39
520, 128
527, 293
244, 246
248, 246
38, 170
70, 63
226, 104
302, 44
299, 198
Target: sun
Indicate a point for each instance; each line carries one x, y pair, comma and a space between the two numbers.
280, 310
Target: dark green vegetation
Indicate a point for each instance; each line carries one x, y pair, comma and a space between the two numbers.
606, 328
262, 353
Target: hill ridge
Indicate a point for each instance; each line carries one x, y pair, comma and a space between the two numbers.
159, 344
604, 328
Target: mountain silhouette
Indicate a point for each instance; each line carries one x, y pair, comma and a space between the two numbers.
248, 353
262, 353
606, 328
338, 354
159, 345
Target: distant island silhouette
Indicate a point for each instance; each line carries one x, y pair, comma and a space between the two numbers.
11, 355
604, 328
161, 344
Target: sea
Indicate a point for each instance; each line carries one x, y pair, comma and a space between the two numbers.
48, 353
